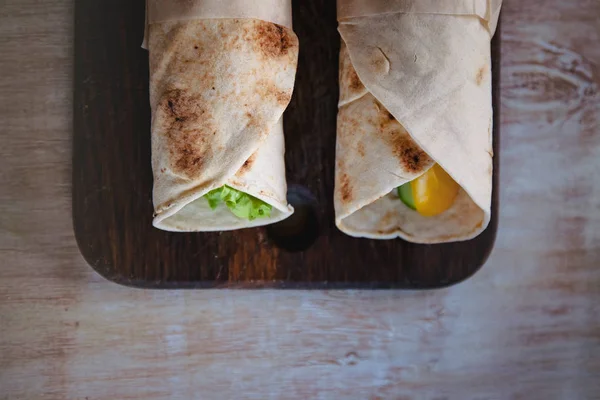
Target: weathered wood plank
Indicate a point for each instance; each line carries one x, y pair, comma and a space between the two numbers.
526, 327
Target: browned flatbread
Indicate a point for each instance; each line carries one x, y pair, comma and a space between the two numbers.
415, 90
218, 90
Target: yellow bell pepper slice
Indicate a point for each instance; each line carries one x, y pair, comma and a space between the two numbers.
434, 192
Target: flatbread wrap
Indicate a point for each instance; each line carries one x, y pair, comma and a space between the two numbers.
414, 134
221, 76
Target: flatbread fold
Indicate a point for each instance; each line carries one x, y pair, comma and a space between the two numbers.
415, 90
218, 90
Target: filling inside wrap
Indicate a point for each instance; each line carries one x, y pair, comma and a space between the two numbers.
414, 134
218, 90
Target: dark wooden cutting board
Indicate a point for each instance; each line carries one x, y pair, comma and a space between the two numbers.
112, 179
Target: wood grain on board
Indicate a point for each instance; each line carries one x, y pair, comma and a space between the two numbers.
527, 326
112, 179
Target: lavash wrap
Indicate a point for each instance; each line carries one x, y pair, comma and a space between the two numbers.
415, 89
221, 76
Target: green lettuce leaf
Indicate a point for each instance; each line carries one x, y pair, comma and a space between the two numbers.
239, 203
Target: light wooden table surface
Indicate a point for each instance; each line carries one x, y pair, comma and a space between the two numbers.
526, 327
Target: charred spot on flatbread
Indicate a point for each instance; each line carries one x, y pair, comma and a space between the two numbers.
361, 149
273, 40
247, 165
412, 158
186, 132
252, 121
177, 106
385, 118
282, 97
189, 159
350, 83
354, 82
410, 155
345, 188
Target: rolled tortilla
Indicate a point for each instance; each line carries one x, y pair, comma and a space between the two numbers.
415, 90
218, 90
